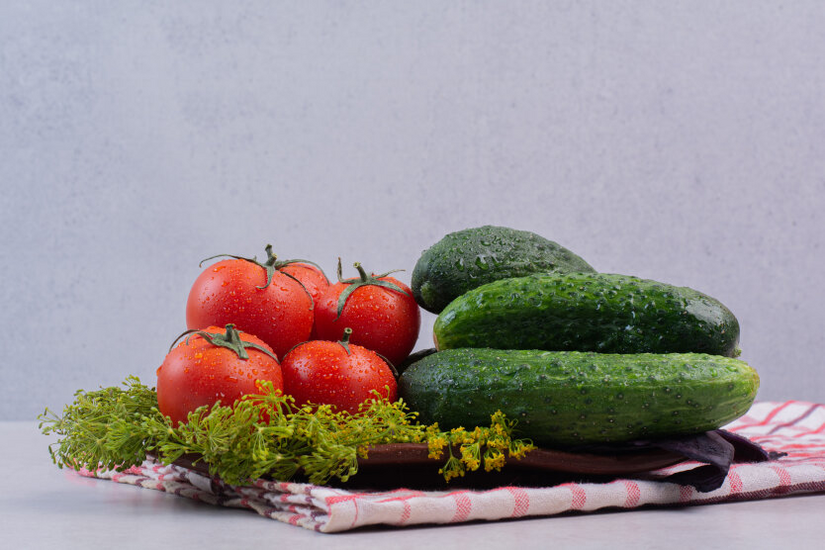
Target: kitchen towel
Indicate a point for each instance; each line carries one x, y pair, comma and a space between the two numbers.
793, 429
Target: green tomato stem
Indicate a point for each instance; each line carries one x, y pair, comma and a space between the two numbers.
270, 266
344, 341
231, 340
364, 279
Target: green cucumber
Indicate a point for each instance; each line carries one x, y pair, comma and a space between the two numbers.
412, 358
564, 399
599, 312
466, 259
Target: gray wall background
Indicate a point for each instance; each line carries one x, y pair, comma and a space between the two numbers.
681, 141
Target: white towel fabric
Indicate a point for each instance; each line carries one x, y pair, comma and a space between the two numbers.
793, 427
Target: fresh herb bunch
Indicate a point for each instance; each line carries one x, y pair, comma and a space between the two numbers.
260, 435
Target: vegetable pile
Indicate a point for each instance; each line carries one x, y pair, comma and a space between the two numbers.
283, 374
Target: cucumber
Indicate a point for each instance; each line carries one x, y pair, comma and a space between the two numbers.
564, 399
600, 312
472, 257
412, 358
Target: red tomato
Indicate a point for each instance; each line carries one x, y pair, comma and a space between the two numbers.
310, 276
336, 373
197, 372
256, 297
383, 319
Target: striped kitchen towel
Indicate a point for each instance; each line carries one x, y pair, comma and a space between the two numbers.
794, 429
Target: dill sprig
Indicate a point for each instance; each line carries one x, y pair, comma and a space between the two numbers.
260, 435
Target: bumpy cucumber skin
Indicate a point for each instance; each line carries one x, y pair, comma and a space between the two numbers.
600, 312
565, 399
466, 259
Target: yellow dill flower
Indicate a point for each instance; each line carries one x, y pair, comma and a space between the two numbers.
435, 446
472, 462
453, 468
519, 448
493, 460
459, 436
470, 455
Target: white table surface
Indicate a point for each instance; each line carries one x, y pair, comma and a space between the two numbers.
42, 506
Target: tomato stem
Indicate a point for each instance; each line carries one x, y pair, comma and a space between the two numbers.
364, 279
231, 340
361, 271
270, 266
344, 341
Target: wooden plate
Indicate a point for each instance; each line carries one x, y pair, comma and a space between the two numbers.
399, 454
408, 465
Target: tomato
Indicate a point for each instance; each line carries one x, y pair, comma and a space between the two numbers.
312, 277
256, 297
381, 311
336, 373
199, 372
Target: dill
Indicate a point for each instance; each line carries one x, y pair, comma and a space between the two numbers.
115, 428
